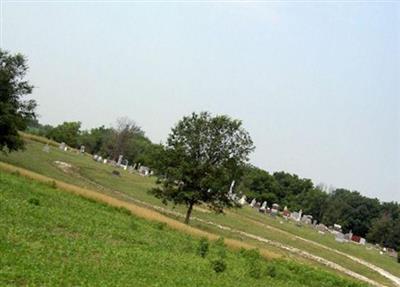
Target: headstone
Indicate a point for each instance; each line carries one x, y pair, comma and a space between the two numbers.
286, 212
242, 200
231, 195
307, 219
62, 146
46, 148
82, 149
337, 227
263, 207
119, 160
105, 161
144, 170
253, 202
339, 237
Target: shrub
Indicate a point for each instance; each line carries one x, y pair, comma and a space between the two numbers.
16, 173
161, 225
253, 262
52, 183
34, 201
398, 256
220, 246
271, 271
202, 249
218, 265
123, 210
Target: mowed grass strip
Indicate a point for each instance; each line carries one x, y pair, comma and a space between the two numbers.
53, 238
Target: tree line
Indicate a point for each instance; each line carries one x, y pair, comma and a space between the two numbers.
367, 217
377, 222
125, 138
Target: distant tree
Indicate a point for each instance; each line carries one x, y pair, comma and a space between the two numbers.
203, 155
96, 139
121, 142
67, 132
380, 230
34, 127
260, 185
15, 112
313, 202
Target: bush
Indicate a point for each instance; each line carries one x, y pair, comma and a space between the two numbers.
52, 183
202, 249
271, 271
253, 258
123, 210
218, 265
34, 201
16, 173
161, 225
220, 246
398, 256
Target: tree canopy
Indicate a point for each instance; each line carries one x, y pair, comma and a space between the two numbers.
15, 110
202, 157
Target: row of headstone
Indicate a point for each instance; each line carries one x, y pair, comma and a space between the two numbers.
64, 147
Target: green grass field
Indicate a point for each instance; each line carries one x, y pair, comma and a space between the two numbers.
87, 173
53, 238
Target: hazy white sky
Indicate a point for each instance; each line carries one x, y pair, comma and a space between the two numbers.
316, 84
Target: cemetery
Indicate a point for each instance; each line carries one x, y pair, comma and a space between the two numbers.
274, 215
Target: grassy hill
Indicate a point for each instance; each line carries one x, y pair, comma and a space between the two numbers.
85, 172
49, 237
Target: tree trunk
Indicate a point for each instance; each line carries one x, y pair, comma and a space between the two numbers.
188, 213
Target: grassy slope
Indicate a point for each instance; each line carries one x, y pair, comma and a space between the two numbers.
69, 240
136, 186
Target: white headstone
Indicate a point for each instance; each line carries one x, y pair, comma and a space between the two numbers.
119, 160
46, 148
300, 214
242, 200
253, 202
263, 206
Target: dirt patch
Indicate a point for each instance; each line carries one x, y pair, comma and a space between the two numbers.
66, 167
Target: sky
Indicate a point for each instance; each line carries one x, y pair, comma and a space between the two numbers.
316, 83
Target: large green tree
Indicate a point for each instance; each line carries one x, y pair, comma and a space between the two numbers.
67, 132
202, 157
15, 110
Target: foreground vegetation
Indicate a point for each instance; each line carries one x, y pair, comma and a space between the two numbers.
49, 238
